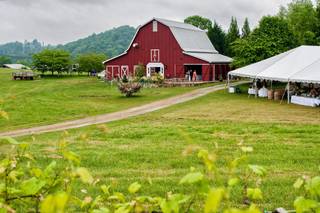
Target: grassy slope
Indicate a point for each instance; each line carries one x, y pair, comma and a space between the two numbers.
32, 103
286, 140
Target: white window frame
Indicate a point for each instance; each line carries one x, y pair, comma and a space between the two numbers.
154, 26
152, 51
155, 65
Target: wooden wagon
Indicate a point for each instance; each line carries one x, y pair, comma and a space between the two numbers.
26, 75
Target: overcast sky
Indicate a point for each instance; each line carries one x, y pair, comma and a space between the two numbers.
61, 21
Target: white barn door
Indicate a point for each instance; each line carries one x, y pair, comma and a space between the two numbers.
124, 71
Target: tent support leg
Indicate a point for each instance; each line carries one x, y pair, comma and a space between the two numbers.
256, 89
288, 93
228, 81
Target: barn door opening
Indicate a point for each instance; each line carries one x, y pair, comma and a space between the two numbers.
154, 69
189, 71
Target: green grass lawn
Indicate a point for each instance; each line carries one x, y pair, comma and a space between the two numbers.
54, 99
285, 138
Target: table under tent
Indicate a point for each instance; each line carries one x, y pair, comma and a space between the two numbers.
299, 68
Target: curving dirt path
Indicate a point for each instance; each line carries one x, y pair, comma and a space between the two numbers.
105, 118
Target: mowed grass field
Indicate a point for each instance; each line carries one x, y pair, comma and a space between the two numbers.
55, 99
285, 138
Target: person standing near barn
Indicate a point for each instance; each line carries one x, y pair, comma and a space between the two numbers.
194, 76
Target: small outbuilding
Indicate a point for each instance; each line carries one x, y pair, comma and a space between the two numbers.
16, 66
173, 50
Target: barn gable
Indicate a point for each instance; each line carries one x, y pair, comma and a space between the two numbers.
192, 40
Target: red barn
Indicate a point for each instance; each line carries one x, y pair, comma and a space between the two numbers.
171, 49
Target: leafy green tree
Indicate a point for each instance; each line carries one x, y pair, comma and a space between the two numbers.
52, 61
302, 17
232, 36
218, 38
271, 37
91, 62
4, 60
199, 21
246, 29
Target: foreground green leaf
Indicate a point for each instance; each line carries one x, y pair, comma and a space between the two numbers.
134, 187
192, 178
32, 186
214, 199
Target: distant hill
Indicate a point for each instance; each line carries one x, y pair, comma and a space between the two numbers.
111, 42
21, 51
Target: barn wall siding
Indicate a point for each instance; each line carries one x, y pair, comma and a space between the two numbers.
171, 54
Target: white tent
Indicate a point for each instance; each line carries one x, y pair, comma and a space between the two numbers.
301, 64
310, 74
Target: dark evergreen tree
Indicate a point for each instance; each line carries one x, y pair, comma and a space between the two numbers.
232, 36
218, 38
246, 29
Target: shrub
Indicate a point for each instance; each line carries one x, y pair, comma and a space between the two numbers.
125, 79
157, 79
129, 88
140, 71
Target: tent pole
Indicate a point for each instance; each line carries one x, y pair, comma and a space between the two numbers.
288, 92
256, 88
228, 82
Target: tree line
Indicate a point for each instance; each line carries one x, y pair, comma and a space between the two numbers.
57, 61
296, 24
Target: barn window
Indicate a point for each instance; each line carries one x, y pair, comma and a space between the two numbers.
155, 55
154, 26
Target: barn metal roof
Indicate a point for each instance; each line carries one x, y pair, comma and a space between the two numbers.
177, 24
189, 37
210, 57
193, 41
